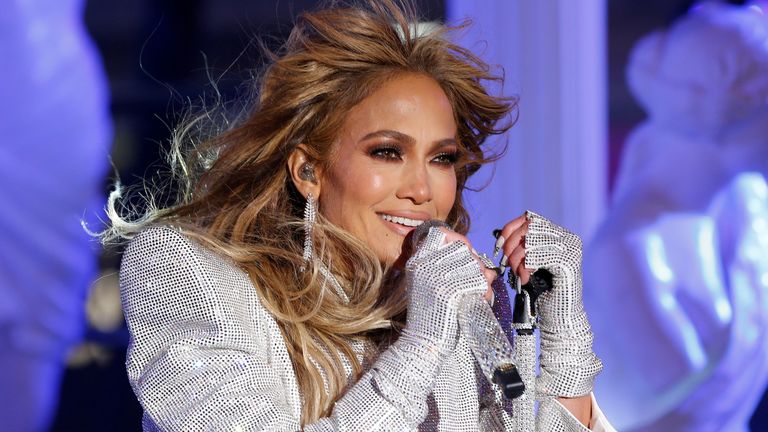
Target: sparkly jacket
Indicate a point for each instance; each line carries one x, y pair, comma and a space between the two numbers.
206, 355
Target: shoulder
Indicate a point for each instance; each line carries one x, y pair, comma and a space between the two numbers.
169, 279
157, 252
163, 267
157, 242
170, 252
181, 299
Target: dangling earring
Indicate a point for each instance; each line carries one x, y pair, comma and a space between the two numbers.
310, 213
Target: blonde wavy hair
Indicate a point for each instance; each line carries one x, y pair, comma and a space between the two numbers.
236, 195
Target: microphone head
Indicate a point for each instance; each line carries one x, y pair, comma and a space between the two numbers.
422, 230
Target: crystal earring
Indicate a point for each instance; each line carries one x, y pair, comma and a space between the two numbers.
310, 213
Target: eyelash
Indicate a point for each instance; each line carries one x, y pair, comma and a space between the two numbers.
387, 152
390, 152
449, 158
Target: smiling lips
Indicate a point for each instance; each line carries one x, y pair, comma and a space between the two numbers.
399, 224
402, 220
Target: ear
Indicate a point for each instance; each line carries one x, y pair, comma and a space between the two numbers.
299, 168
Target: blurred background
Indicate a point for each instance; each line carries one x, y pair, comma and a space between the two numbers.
143, 61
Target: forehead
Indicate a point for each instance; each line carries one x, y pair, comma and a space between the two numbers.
412, 104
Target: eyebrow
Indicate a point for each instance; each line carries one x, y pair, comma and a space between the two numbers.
407, 139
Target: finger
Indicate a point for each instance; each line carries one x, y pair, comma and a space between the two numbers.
507, 230
512, 225
516, 258
515, 240
490, 276
523, 273
453, 236
488, 294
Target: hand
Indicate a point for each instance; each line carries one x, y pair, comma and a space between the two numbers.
438, 274
490, 275
441, 271
568, 365
552, 247
511, 244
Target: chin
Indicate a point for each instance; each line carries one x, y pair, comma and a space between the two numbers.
398, 256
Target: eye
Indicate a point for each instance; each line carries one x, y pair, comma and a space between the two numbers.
387, 152
447, 158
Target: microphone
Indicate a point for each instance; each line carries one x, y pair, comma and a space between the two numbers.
482, 331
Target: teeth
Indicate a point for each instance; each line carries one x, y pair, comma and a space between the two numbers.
402, 220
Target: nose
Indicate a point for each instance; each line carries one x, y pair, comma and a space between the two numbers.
415, 184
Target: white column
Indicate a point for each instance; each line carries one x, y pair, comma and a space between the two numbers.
553, 55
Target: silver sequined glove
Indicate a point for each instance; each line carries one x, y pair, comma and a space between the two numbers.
438, 276
568, 364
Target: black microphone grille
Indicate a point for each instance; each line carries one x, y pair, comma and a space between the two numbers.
422, 230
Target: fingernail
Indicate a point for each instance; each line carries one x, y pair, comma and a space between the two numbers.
496, 233
504, 261
497, 247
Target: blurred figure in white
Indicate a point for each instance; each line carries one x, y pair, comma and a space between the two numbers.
54, 137
678, 271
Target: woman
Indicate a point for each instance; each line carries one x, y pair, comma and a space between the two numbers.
277, 293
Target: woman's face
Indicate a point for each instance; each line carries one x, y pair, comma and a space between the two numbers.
394, 164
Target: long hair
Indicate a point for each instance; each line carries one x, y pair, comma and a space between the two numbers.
236, 194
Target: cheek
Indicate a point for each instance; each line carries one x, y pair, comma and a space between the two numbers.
351, 191
374, 183
445, 196
364, 186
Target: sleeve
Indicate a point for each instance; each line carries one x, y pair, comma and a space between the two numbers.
496, 412
554, 417
205, 355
